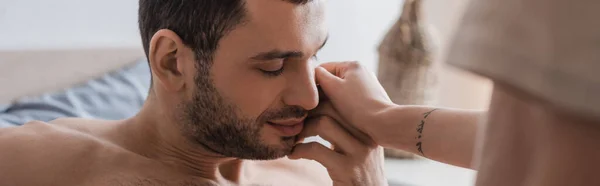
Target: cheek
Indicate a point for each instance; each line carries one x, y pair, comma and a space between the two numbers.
251, 92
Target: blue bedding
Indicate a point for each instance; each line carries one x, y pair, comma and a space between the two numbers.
116, 95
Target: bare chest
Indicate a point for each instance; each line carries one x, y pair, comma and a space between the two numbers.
264, 174
147, 181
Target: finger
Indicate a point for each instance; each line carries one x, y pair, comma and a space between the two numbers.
327, 81
327, 109
332, 67
339, 69
330, 130
317, 152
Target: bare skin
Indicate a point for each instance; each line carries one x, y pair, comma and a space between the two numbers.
354, 95
94, 152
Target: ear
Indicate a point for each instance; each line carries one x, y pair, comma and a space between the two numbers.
166, 57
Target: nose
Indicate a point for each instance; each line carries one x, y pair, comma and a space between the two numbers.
302, 90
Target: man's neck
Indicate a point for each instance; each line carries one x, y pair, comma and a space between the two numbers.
155, 134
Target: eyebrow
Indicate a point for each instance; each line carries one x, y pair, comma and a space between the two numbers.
278, 54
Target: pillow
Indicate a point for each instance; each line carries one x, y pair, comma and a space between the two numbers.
117, 95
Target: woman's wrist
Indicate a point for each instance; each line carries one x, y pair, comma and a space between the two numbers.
395, 127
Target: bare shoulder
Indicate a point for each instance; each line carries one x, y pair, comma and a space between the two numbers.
42, 149
21, 140
42, 138
285, 171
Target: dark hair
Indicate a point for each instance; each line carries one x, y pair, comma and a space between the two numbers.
199, 23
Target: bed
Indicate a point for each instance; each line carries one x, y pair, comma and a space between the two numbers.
109, 83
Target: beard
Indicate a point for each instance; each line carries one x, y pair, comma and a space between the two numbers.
213, 122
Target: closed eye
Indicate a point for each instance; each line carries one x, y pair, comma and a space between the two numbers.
272, 68
273, 73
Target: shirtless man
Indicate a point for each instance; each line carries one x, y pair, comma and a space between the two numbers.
232, 83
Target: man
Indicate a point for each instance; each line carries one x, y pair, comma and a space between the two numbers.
232, 82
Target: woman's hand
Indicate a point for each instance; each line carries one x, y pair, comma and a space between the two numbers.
350, 162
355, 93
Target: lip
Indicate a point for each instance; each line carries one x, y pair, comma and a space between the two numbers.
288, 122
288, 128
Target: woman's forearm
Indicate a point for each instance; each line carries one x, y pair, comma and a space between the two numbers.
445, 135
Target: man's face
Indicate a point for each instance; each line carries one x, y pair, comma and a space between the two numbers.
252, 102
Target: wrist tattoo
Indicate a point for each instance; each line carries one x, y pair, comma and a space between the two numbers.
420, 128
